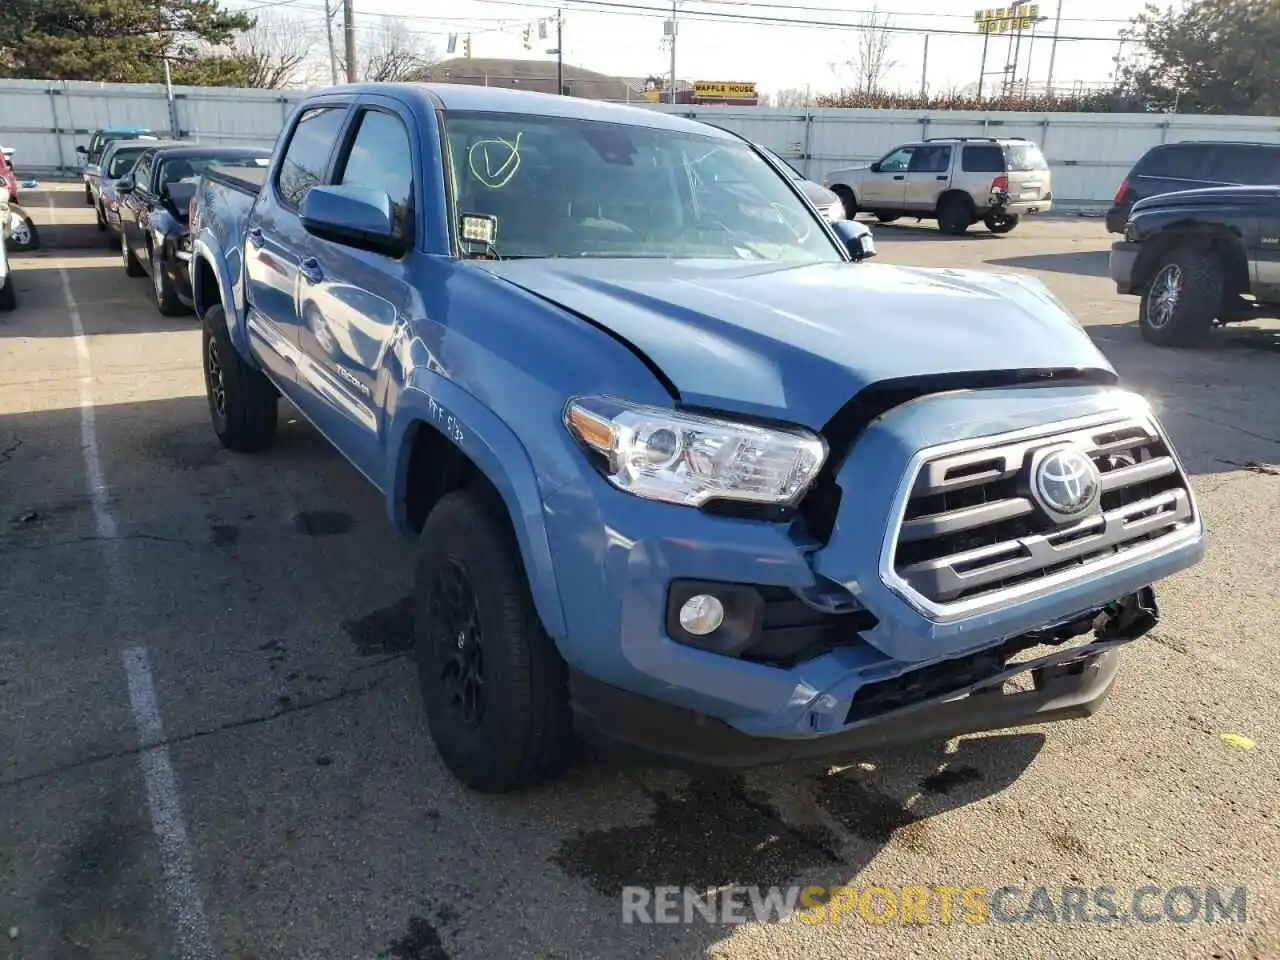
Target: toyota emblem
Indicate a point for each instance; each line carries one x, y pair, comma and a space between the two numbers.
1066, 481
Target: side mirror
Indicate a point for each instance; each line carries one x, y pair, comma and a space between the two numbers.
125, 185
353, 216
82, 150
856, 238
875, 167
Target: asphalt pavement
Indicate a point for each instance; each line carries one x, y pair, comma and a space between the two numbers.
211, 742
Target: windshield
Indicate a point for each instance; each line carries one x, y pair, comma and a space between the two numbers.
560, 187
122, 161
1024, 156
191, 169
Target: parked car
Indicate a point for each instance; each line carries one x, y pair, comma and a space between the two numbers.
8, 176
681, 473
1200, 259
958, 181
118, 160
8, 292
154, 209
827, 202
1194, 165
92, 154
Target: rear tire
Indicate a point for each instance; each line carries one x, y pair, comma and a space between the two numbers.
1182, 299
88, 195
242, 402
887, 217
493, 685
847, 199
8, 295
954, 215
102, 218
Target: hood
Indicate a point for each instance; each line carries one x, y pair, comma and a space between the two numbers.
795, 343
818, 195
1206, 197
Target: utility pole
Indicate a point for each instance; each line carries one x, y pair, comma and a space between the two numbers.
924, 70
333, 49
559, 51
349, 35
674, 31
1053, 49
982, 69
172, 103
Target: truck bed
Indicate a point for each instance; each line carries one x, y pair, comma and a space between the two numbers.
245, 179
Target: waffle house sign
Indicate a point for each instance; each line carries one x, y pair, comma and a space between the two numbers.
1018, 16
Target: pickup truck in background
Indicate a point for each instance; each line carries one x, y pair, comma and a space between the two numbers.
685, 470
1200, 259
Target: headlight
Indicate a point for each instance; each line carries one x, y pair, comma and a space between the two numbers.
663, 454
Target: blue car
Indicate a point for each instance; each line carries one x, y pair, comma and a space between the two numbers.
687, 470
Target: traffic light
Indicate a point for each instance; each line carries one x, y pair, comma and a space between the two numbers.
466, 47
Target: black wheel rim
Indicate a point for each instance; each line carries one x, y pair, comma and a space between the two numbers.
217, 386
455, 626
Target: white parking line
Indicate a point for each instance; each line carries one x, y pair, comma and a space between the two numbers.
180, 886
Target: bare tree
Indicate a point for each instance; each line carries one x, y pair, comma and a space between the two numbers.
870, 63
791, 97
277, 50
389, 52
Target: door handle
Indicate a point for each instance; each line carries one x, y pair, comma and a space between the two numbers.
310, 270
942, 177
900, 176
255, 236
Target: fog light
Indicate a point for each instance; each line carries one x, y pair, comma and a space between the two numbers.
701, 615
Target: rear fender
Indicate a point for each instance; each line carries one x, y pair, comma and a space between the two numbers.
496, 451
206, 249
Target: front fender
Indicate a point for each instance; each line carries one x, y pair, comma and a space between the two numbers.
205, 248
498, 453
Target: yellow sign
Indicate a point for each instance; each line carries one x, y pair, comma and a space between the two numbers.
725, 91
653, 96
1018, 16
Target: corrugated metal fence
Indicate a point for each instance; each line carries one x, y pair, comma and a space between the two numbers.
1089, 153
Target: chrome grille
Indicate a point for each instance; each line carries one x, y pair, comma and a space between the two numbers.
971, 527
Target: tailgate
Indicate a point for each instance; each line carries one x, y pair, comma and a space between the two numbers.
1028, 172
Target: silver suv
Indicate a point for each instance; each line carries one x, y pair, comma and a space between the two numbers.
959, 181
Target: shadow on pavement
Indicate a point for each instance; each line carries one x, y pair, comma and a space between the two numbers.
1087, 263
42, 305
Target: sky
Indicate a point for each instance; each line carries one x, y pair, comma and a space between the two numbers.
778, 50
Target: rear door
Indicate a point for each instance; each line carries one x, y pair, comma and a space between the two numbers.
1027, 170
928, 174
886, 187
277, 243
351, 300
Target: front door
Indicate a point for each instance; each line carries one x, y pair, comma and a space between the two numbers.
131, 205
927, 176
885, 187
352, 300
276, 243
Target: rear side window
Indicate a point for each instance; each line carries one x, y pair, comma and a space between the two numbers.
1172, 163
983, 159
381, 159
307, 156
142, 172
1250, 165
1023, 157
931, 159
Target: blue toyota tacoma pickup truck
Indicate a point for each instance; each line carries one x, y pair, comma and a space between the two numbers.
686, 471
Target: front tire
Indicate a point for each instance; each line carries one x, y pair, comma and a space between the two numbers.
493, 685
132, 268
88, 195
1183, 298
847, 200
24, 235
242, 402
167, 301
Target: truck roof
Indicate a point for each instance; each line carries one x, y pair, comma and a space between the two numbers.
462, 96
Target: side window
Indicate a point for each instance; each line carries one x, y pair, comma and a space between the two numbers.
380, 159
308, 152
936, 159
1245, 164
142, 172
1173, 163
985, 159
898, 161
